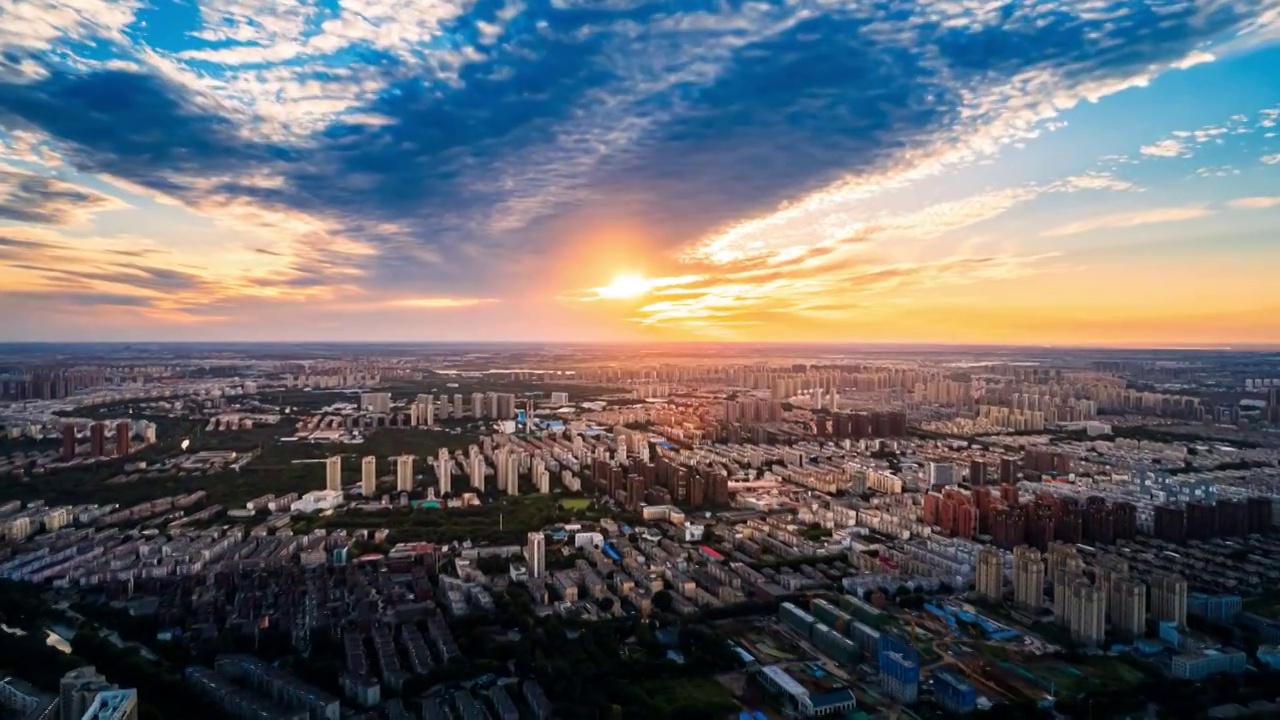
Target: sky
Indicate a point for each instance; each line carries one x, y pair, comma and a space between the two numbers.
1065, 172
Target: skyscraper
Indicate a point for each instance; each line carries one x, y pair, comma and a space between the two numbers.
1128, 609
1107, 571
990, 574
426, 410
80, 689
1065, 566
1088, 613
513, 473
404, 473
68, 442
477, 470
535, 553
369, 476
98, 440
123, 431
1028, 578
376, 402
540, 475
1169, 599
113, 705
333, 473
444, 470
977, 473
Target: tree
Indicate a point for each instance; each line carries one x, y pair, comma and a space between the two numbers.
662, 600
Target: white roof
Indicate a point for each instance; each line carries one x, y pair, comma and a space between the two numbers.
785, 681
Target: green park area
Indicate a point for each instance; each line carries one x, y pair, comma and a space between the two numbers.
278, 465
687, 697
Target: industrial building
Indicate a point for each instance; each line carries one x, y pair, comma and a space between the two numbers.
1207, 663
953, 692
803, 701
899, 677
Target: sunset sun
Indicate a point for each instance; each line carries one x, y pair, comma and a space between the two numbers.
625, 287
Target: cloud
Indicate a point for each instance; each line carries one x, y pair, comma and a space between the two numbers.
29, 198
32, 25
1165, 148
1095, 181
834, 280
1255, 203
439, 303
1216, 171
711, 113
371, 147
1135, 218
1271, 159
1186, 143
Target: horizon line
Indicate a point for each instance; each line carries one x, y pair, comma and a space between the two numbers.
1169, 347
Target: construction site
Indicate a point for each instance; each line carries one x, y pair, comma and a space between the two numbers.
824, 650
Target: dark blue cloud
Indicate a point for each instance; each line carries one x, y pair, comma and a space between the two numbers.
791, 113
530, 116
29, 198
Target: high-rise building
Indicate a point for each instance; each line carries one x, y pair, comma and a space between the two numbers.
477, 405
513, 473
444, 470
1028, 578
123, 431
376, 402
68, 442
1128, 608
1008, 471
1169, 599
404, 473
426, 410
977, 473
369, 476
98, 440
477, 471
84, 689
535, 552
540, 475
941, 474
1170, 524
1088, 613
502, 406
990, 574
113, 705
333, 473
1064, 566
1107, 571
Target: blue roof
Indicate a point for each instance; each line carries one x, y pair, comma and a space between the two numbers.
840, 696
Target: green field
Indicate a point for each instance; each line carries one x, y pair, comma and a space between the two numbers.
575, 504
687, 697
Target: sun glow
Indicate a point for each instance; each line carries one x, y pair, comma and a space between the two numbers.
625, 287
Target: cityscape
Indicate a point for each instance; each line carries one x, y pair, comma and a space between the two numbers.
639, 359
326, 531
